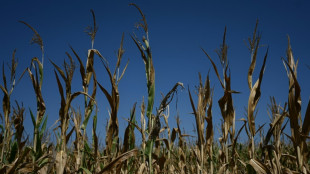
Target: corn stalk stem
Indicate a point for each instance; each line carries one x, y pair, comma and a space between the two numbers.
252, 155
6, 133
211, 161
226, 149
202, 157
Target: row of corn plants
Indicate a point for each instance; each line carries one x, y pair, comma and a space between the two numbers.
163, 149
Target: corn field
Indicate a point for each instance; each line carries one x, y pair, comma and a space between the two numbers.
162, 149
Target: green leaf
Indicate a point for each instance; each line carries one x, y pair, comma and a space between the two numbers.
87, 148
150, 103
101, 166
85, 123
131, 127
44, 162
32, 118
81, 169
95, 138
38, 150
148, 147
13, 153
43, 128
95, 122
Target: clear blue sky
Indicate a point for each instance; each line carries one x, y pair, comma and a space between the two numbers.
177, 31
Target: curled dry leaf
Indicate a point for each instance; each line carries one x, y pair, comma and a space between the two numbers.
120, 159
254, 98
259, 167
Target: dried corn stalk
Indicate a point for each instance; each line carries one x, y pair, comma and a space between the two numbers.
299, 131
255, 92
113, 99
204, 103
225, 103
